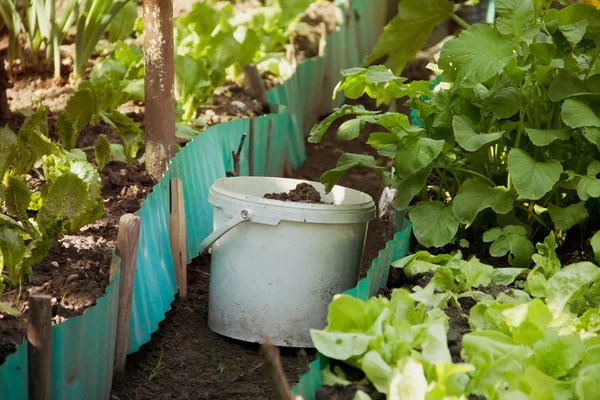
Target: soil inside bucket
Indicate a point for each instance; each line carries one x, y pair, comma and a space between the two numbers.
303, 193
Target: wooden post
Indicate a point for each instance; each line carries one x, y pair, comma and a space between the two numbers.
272, 362
255, 83
251, 149
39, 348
127, 248
5, 84
159, 80
266, 172
178, 235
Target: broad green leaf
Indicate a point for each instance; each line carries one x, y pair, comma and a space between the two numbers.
587, 385
595, 242
543, 137
435, 346
546, 260
556, 355
406, 34
415, 153
122, 24
18, 197
94, 207
102, 151
534, 311
578, 113
531, 178
476, 55
347, 313
319, 130
79, 111
12, 248
434, 224
377, 371
347, 161
66, 199
590, 320
129, 131
502, 99
592, 134
475, 195
420, 263
340, 345
574, 32
65, 130
184, 131
8, 149
408, 188
568, 217
589, 186
385, 143
360, 395
506, 276
350, 129
561, 287
468, 138
409, 382
517, 19
567, 86
510, 240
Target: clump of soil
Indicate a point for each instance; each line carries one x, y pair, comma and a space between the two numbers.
306, 41
231, 102
304, 193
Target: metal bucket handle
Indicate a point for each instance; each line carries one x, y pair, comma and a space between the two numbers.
243, 216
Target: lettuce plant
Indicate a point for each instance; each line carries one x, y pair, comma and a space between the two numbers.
36, 214
510, 136
521, 345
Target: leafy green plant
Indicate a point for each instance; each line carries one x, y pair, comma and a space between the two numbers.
41, 207
36, 21
92, 22
521, 345
511, 135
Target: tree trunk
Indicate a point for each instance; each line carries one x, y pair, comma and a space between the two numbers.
4, 84
159, 79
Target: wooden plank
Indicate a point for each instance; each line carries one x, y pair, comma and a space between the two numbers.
127, 248
178, 235
39, 348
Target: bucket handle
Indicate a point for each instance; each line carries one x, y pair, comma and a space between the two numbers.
243, 216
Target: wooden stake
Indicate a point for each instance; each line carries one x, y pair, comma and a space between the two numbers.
270, 356
158, 81
127, 248
236, 157
5, 84
256, 84
251, 149
178, 235
266, 173
323, 40
39, 349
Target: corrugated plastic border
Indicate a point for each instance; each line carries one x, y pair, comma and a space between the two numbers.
75, 375
369, 286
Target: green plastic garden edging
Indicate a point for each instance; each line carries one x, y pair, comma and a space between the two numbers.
83, 346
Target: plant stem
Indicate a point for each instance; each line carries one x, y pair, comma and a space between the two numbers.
534, 216
476, 174
460, 21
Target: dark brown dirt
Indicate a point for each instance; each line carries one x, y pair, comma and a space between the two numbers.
231, 102
306, 43
303, 193
340, 392
76, 272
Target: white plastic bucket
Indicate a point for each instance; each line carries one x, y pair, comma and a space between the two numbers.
276, 265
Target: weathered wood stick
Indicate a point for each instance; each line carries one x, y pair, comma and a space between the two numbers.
279, 384
39, 348
127, 248
178, 235
255, 83
251, 149
323, 40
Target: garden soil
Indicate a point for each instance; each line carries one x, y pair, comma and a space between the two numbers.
186, 360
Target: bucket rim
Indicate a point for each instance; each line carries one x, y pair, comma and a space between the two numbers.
293, 211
